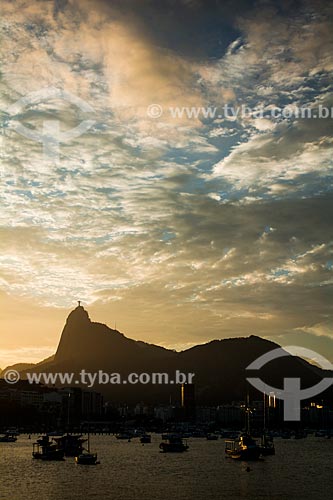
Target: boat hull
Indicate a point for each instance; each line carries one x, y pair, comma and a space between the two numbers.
145, 439
173, 447
243, 448
87, 459
245, 455
57, 455
7, 439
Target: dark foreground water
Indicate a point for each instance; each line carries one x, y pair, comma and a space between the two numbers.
301, 469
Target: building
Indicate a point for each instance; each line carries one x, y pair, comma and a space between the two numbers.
206, 414
187, 399
230, 415
164, 413
78, 404
92, 404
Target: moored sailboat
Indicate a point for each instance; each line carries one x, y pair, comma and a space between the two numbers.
86, 457
244, 447
266, 445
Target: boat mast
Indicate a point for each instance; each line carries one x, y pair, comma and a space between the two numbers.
88, 438
248, 410
68, 410
264, 411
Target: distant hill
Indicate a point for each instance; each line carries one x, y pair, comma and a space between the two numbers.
219, 365
19, 367
22, 367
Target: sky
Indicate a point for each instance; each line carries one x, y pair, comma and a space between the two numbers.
178, 229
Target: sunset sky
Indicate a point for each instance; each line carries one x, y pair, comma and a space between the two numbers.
183, 229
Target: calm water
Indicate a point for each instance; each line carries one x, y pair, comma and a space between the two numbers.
301, 469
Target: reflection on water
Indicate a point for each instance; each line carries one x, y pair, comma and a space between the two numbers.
301, 469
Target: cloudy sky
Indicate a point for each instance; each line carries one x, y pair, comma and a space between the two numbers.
178, 228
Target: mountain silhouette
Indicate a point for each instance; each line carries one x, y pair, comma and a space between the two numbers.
219, 366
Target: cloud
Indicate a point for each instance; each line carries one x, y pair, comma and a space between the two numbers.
180, 230
310, 339
25, 354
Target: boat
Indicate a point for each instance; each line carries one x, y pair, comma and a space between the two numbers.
300, 434
8, 438
124, 435
145, 439
45, 449
166, 436
267, 445
212, 437
86, 457
198, 434
229, 434
174, 444
72, 445
321, 433
55, 433
243, 448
